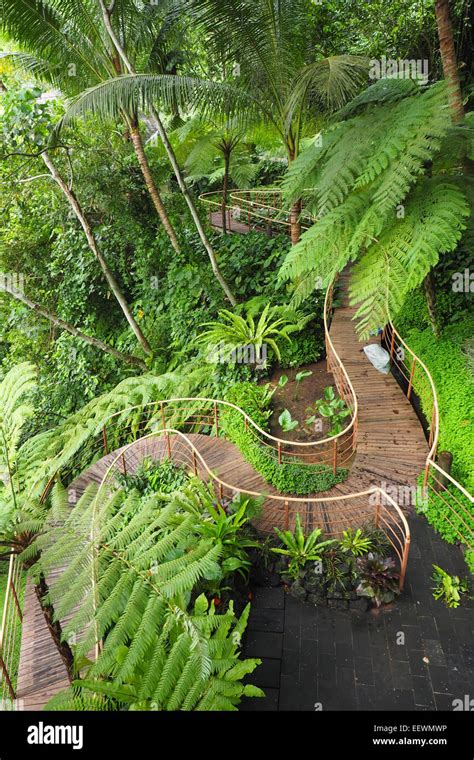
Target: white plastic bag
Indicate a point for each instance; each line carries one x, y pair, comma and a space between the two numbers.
379, 357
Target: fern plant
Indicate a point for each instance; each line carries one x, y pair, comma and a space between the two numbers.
234, 331
368, 184
129, 567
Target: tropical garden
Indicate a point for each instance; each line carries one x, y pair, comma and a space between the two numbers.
183, 185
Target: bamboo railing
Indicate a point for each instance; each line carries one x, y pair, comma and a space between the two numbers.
10, 633
416, 381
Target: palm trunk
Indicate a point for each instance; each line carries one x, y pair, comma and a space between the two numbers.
110, 277
151, 186
430, 295
39, 309
173, 161
448, 58
225, 188
295, 224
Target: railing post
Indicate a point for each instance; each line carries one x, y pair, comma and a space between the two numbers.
392, 344
216, 418
334, 457
279, 452
425, 477
410, 382
403, 570
377, 511
16, 600
287, 515
6, 676
124, 464
195, 463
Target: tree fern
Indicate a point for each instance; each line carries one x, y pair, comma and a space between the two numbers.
365, 184
128, 568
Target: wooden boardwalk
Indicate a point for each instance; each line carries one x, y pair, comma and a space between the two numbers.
391, 453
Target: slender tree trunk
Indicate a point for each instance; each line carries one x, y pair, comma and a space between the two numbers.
151, 186
295, 222
225, 189
173, 161
39, 309
430, 295
54, 626
448, 58
110, 277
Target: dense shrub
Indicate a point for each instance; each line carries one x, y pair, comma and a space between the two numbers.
286, 477
447, 515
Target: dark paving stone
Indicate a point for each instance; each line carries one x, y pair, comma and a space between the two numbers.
412, 635
423, 692
263, 644
440, 679
290, 693
266, 620
417, 666
444, 702
428, 627
364, 673
290, 663
266, 675
401, 675
270, 598
269, 703
344, 654
367, 697
327, 669
434, 652
345, 679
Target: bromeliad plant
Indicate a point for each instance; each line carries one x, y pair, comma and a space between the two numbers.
379, 580
300, 549
448, 588
235, 331
333, 408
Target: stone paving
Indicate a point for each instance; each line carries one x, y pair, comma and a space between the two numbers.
318, 658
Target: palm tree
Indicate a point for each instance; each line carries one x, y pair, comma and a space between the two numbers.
448, 58
270, 42
65, 44
219, 151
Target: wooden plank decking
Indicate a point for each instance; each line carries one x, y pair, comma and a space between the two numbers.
391, 452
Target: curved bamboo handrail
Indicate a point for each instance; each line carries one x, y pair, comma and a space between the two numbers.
383, 510
242, 204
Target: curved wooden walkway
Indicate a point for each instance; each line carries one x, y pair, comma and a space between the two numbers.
391, 452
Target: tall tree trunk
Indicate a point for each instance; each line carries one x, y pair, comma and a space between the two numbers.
448, 58
54, 626
225, 189
173, 161
295, 222
151, 186
109, 276
39, 309
430, 295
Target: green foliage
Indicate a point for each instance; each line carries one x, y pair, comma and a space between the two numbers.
454, 385
366, 186
469, 557
287, 477
378, 579
233, 331
301, 549
333, 409
449, 512
356, 543
286, 421
154, 477
161, 650
448, 588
